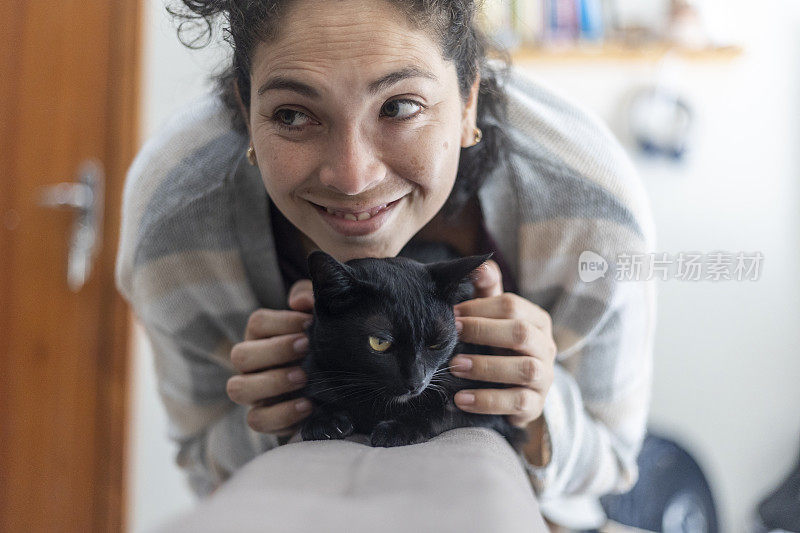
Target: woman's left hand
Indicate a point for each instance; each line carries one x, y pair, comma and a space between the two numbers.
504, 320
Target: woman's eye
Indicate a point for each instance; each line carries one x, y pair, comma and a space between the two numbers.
395, 108
378, 344
285, 119
399, 109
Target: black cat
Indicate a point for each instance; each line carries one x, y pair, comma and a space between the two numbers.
381, 339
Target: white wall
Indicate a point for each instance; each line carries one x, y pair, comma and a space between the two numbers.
726, 353
727, 366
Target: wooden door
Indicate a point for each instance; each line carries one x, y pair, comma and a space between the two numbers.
68, 93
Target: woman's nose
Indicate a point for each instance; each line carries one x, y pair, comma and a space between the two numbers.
352, 165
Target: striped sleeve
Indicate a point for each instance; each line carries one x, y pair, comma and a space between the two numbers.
179, 268
596, 409
212, 434
576, 193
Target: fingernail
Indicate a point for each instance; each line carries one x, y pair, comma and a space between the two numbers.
465, 398
296, 376
300, 345
302, 405
307, 323
459, 326
235, 384
456, 312
462, 364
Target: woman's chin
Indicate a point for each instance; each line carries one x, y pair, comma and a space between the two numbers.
347, 251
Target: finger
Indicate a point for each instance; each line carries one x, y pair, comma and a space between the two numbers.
301, 296
519, 401
247, 389
520, 370
260, 354
270, 322
505, 305
488, 280
512, 333
279, 417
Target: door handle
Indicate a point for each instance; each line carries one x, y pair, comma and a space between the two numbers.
85, 197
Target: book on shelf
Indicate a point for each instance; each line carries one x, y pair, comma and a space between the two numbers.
590, 13
566, 26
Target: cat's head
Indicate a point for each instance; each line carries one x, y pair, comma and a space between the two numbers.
390, 320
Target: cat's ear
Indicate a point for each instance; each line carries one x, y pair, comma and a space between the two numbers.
332, 281
454, 278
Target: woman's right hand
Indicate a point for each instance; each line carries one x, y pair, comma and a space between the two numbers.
273, 340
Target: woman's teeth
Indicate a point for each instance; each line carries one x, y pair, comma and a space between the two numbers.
364, 215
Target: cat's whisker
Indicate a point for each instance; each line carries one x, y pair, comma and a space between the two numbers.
348, 383
443, 371
338, 388
335, 383
332, 386
354, 389
365, 397
350, 396
362, 377
439, 383
438, 390
374, 396
353, 396
357, 378
343, 372
378, 397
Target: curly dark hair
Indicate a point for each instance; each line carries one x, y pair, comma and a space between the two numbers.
452, 23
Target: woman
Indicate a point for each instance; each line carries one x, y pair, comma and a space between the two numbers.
361, 127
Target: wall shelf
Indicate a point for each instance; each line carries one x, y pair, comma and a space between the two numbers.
620, 52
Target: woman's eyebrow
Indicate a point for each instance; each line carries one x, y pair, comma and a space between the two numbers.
282, 83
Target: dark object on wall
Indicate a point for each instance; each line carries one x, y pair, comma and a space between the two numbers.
781, 508
660, 122
672, 494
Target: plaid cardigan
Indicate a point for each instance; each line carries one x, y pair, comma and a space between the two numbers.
196, 257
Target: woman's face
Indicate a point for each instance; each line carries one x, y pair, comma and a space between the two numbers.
353, 112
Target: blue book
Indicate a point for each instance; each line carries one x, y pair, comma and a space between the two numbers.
591, 19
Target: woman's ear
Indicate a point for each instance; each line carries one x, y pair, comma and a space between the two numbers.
470, 114
242, 109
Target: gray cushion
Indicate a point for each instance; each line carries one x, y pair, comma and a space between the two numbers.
465, 480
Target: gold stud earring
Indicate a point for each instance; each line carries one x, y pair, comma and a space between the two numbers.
478, 135
251, 155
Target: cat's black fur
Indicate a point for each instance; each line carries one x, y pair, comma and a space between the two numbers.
357, 389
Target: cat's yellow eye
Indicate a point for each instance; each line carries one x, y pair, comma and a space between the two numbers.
379, 345
436, 346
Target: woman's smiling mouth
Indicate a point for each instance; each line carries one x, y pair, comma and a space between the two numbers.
358, 223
